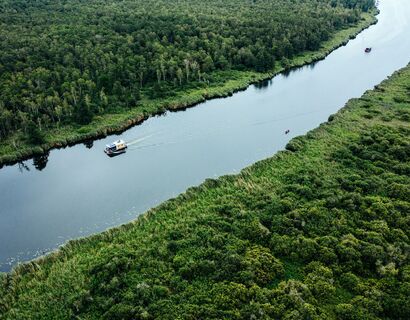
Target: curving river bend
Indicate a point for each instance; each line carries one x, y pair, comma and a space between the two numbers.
78, 191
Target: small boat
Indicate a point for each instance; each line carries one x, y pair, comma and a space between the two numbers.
367, 50
115, 148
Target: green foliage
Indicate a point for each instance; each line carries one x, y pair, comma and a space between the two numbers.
321, 233
34, 135
262, 267
63, 63
319, 280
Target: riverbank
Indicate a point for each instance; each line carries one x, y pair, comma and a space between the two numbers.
14, 149
317, 231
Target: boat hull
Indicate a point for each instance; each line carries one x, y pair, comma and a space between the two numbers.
114, 153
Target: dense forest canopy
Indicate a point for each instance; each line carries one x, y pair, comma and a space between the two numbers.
320, 231
66, 61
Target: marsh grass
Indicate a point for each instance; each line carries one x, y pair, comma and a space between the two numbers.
325, 226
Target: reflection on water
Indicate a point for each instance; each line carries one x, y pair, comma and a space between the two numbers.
264, 84
313, 65
89, 144
286, 73
23, 167
40, 162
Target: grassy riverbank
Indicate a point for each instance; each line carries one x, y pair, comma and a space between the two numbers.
320, 231
224, 83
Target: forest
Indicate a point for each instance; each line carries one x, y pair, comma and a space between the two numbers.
319, 231
65, 62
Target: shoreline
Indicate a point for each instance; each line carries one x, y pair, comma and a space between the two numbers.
191, 190
28, 274
190, 99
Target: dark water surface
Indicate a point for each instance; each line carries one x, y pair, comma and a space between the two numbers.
80, 191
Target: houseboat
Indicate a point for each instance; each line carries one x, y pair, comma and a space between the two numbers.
115, 148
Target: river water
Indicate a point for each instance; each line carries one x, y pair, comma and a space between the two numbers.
79, 191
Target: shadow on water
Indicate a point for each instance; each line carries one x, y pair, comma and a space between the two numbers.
262, 85
23, 167
89, 144
40, 162
116, 154
313, 64
286, 73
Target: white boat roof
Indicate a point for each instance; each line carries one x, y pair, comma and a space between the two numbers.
115, 143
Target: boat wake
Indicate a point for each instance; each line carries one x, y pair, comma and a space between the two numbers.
151, 145
137, 144
135, 141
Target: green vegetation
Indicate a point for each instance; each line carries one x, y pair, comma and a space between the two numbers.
319, 231
81, 69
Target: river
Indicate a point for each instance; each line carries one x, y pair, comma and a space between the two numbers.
78, 191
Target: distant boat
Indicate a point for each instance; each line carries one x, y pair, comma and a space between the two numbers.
115, 148
368, 50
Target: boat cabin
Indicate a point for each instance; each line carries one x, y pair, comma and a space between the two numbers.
116, 147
